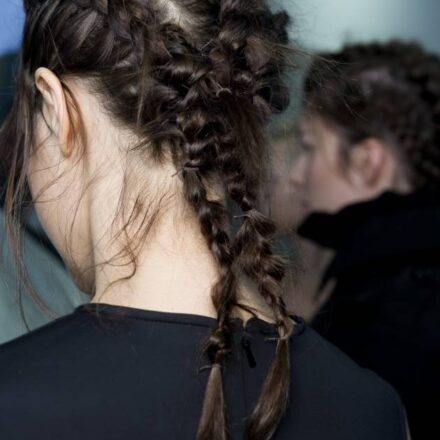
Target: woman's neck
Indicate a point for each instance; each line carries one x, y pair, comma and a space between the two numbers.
174, 273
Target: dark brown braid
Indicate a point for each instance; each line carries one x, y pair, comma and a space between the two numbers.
266, 268
202, 88
390, 91
265, 94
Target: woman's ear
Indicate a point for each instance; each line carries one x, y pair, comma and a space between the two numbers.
369, 163
54, 107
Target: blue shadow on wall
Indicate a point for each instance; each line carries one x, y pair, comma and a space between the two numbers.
11, 25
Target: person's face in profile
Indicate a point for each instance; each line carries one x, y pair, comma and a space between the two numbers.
316, 174
326, 181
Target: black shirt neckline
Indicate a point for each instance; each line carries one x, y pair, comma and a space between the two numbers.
253, 323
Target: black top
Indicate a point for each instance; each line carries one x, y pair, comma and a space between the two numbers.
389, 231
385, 309
111, 372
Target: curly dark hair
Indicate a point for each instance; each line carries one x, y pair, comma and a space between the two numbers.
200, 89
390, 91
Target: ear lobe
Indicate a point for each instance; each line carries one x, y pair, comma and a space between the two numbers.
367, 159
55, 107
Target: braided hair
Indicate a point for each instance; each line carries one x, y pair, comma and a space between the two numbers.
386, 90
198, 81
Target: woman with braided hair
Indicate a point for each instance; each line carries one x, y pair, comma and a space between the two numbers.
135, 122
369, 175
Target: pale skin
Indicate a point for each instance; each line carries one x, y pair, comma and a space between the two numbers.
77, 198
323, 183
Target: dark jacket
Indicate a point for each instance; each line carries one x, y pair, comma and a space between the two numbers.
132, 374
385, 309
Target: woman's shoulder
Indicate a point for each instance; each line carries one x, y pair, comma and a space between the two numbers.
342, 394
48, 339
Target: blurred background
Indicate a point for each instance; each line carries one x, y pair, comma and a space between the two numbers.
329, 24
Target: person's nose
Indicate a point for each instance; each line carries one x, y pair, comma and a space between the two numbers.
297, 171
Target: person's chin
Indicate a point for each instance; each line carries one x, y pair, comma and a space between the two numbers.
302, 212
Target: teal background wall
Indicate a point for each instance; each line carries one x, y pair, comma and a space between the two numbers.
327, 24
